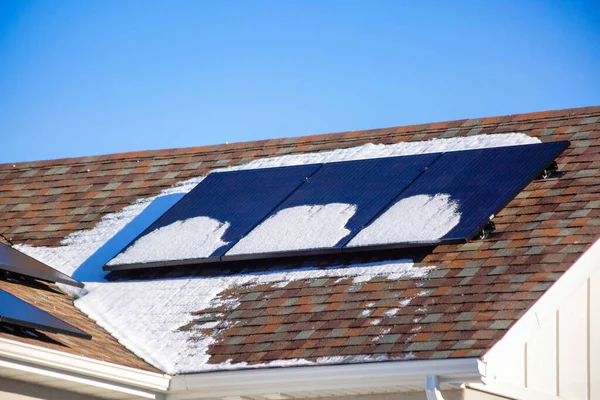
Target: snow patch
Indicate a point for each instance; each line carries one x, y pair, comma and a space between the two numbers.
384, 332
371, 150
391, 312
147, 316
296, 228
420, 218
405, 302
297, 362
188, 239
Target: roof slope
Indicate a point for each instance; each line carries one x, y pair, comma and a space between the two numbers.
49, 298
475, 293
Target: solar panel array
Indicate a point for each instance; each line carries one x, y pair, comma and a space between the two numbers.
17, 312
391, 202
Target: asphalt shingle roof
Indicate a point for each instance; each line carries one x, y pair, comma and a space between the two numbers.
476, 292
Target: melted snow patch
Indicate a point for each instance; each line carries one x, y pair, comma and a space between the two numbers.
147, 316
188, 239
301, 227
420, 218
296, 362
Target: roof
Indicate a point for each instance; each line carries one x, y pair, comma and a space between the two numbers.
51, 299
464, 305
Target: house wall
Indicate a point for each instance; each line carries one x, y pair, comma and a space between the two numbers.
17, 390
560, 356
470, 394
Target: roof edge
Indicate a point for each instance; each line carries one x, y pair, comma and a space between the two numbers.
238, 146
376, 375
82, 370
551, 300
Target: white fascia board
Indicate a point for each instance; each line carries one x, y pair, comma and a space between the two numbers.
550, 301
78, 369
375, 375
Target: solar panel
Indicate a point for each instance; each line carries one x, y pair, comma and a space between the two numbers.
358, 189
14, 261
462, 190
18, 312
206, 222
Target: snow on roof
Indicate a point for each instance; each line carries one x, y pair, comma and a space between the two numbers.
295, 228
420, 218
370, 150
188, 239
147, 316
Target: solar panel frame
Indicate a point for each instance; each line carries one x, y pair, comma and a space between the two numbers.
18, 312
16, 262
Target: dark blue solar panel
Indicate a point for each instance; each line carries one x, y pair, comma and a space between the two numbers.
14, 261
18, 312
369, 184
482, 181
242, 198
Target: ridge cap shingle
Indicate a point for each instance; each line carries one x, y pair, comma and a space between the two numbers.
432, 127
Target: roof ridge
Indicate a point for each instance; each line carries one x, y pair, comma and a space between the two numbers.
551, 115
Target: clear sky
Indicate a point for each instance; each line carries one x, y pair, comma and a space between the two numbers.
91, 77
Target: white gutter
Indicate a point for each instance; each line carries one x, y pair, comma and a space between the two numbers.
376, 376
72, 371
81, 370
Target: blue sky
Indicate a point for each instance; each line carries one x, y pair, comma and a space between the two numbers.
92, 77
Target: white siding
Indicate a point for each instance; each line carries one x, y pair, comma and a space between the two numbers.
557, 342
17, 390
561, 357
594, 372
514, 370
541, 365
573, 346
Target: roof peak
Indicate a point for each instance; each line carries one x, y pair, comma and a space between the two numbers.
430, 127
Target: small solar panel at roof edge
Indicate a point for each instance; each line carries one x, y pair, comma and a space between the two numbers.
459, 191
18, 312
14, 261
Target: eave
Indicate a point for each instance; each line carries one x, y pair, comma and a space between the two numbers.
320, 381
61, 370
